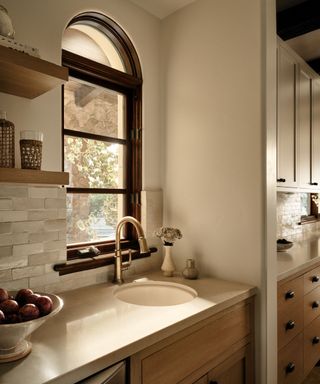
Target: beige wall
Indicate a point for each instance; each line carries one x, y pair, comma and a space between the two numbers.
214, 144
40, 24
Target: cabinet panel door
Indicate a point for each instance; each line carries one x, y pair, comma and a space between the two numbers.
202, 380
304, 129
286, 121
311, 345
315, 169
290, 362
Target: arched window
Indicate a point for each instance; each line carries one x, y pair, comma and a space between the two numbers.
101, 132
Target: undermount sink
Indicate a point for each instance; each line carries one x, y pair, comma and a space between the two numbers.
155, 293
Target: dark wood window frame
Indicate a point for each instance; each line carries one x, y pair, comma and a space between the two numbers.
130, 84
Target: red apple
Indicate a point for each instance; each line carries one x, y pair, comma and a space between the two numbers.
22, 295
9, 307
13, 318
2, 317
3, 295
32, 298
44, 303
29, 312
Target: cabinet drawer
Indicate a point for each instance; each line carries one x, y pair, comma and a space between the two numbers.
311, 306
311, 345
289, 293
290, 323
290, 362
311, 280
179, 359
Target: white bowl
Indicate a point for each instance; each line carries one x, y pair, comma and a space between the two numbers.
13, 343
284, 247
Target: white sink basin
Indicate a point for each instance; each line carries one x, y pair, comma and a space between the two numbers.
154, 293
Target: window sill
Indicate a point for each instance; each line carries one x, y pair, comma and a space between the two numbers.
78, 265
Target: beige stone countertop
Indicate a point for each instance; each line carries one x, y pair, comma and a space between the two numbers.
95, 330
304, 254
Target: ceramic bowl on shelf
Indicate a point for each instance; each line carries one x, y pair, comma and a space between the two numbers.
283, 245
13, 343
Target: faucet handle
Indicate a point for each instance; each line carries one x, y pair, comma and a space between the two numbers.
126, 264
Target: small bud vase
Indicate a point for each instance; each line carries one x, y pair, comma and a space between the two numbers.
168, 266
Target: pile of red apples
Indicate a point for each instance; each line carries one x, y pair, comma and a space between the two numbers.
25, 305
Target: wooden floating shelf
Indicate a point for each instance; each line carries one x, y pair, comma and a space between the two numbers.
28, 76
30, 176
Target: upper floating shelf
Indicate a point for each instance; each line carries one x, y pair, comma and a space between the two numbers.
28, 76
30, 176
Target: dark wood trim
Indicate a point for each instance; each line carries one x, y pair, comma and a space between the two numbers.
130, 84
298, 20
117, 35
107, 75
118, 191
92, 136
97, 262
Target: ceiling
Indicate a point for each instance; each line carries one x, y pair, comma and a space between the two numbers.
298, 23
161, 8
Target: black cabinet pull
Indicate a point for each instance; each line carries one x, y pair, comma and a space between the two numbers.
314, 183
290, 368
289, 295
213, 382
315, 279
290, 325
315, 304
316, 340
281, 180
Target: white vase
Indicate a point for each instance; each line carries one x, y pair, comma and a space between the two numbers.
168, 266
6, 28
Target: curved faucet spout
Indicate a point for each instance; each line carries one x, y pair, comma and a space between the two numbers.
118, 264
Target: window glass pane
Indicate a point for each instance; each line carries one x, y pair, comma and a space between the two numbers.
89, 42
93, 217
93, 163
93, 109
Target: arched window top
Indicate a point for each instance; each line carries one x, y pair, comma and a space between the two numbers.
89, 42
98, 38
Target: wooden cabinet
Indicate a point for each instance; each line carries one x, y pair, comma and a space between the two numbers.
286, 120
298, 122
304, 128
315, 137
219, 349
298, 326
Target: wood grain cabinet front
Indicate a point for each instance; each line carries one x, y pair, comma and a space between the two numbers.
217, 345
298, 326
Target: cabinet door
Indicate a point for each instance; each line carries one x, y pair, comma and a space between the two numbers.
304, 129
235, 370
286, 121
315, 169
202, 380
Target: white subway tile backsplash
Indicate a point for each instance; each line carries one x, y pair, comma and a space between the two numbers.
5, 228
15, 285
20, 273
6, 204
10, 262
10, 216
27, 203
43, 192
27, 249
51, 214
33, 239
28, 226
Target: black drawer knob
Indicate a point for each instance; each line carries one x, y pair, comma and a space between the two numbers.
316, 340
281, 180
213, 382
290, 325
315, 304
314, 183
315, 279
290, 368
289, 295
